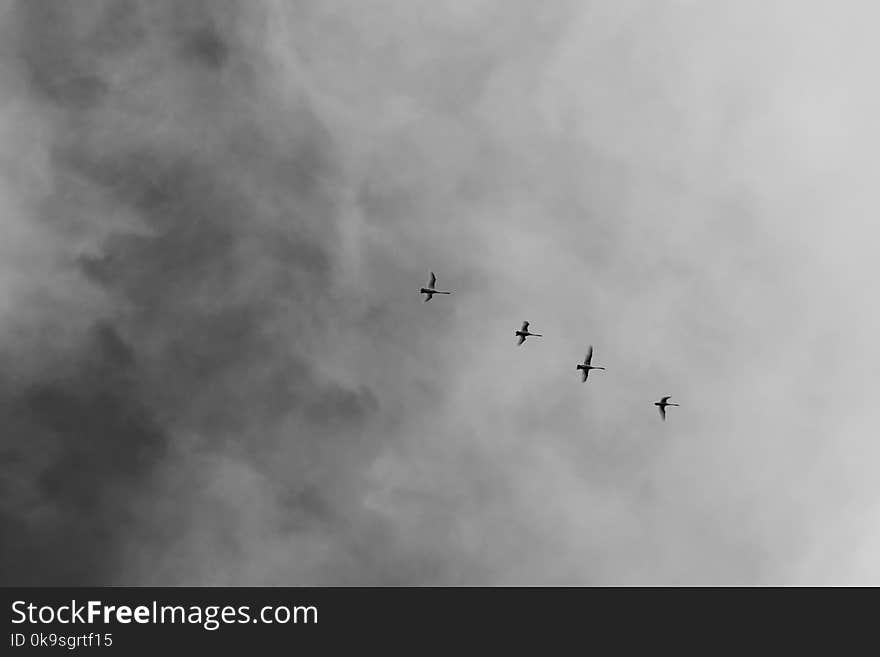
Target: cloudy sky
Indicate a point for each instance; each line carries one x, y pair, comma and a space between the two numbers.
215, 367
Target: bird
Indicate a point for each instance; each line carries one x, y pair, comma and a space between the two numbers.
523, 333
585, 367
429, 291
662, 404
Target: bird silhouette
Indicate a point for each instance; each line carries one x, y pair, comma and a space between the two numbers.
429, 291
585, 367
524, 332
662, 404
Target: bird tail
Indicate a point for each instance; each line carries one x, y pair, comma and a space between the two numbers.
537, 335
438, 292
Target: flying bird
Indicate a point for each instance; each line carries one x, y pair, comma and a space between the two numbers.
429, 291
662, 404
523, 333
585, 367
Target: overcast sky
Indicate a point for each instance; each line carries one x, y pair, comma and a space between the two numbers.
215, 366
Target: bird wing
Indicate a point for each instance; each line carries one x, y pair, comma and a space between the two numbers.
585, 372
589, 355
662, 412
522, 339
663, 400
432, 281
525, 326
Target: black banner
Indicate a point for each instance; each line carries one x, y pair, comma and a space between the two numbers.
134, 620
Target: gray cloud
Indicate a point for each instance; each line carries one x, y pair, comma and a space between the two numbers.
216, 370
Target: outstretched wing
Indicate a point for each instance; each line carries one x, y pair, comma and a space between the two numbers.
589, 355
432, 281
665, 399
522, 339
584, 373
662, 412
525, 326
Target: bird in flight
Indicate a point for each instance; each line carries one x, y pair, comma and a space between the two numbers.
662, 404
429, 291
585, 367
523, 333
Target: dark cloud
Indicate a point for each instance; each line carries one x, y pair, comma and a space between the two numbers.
195, 293
57, 66
85, 444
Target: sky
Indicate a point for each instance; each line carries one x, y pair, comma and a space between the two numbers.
215, 366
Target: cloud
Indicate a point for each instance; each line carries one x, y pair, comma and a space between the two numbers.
204, 250
215, 365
